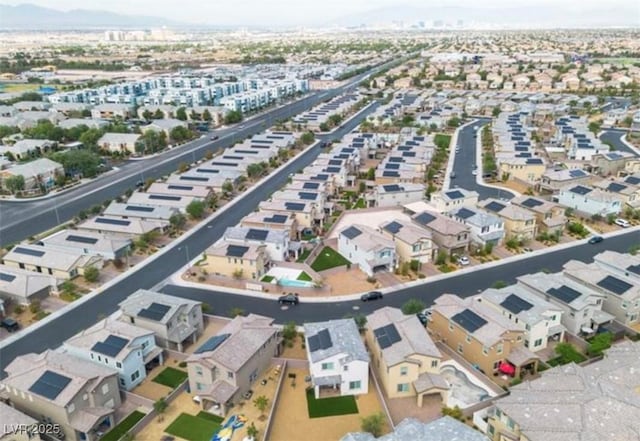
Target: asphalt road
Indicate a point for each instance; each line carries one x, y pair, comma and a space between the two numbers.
464, 161
614, 137
463, 285
86, 314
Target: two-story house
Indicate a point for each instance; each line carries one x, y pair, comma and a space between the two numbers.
590, 200
175, 321
338, 359
272, 220
225, 367
480, 334
276, 242
451, 199
629, 194
394, 195
485, 228
368, 248
518, 222
449, 235
128, 349
550, 217
17, 426
412, 242
76, 396
248, 261
404, 356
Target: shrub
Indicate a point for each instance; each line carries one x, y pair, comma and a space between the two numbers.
91, 274
599, 343
413, 306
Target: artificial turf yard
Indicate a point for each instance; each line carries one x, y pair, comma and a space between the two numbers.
194, 428
171, 377
332, 406
125, 425
328, 258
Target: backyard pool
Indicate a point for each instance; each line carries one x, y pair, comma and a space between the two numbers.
464, 390
295, 283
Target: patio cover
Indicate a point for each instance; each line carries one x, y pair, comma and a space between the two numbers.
520, 356
220, 392
427, 381
600, 317
153, 354
329, 380
86, 419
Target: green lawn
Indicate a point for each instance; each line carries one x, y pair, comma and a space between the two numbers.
209, 416
328, 258
333, 406
442, 140
125, 425
305, 277
304, 255
171, 377
193, 428
360, 204
267, 279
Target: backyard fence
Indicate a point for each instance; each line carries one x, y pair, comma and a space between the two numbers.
283, 363
372, 374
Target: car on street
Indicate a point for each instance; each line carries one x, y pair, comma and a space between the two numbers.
527, 250
474, 172
622, 223
463, 260
9, 324
214, 137
139, 184
452, 175
595, 239
289, 299
371, 295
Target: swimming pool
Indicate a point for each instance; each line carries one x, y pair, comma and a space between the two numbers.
295, 283
463, 391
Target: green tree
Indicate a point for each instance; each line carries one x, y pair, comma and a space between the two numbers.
373, 424
307, 138
79, 162
227, 187
252, 431
441, 257
160, 406
233, 117
289, 332
235, 312
8, 130
181, 114
147, 114
261, 403
594, 127
413, 306
179, 134
599, 343
151, 142
454, 122
371, 174
206, 115
453, 412
158, 114
14, 183
195, 209
499, 284
91, 274
89, 139
177, 221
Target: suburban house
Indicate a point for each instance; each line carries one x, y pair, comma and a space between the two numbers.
129, 349
404, 356
249, 261
164, 204
143, 212
412, 242
88, 243
582, 306
192, 191
272, 220
58, 388
590, 200
550, 216
17, 426
598, 401
225, 367
42, 171
338, 359
527, 170
610, 163
59, 264
485, 228
368, 248
449, 235
480, 334
627, 192
541, 320
164, 125
122, 228
307, 214
518, 222
111, 110
451, 199
276, 242
119, 142
553, 180
411, 429
23, 286
622, 292
627, 265
394, 195
176, 322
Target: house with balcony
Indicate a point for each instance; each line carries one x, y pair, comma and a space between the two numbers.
448, 200
226, 366
610, 163
226, 259
448, 235
541, 320
518, 222
78, 396
581, 306
485, 228
176, 322
404, 356
338, 359
369, 249
549, 216
412, 242
590, 200
129, 349
480, 334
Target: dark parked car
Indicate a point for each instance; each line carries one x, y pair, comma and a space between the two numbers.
139, 184
9, 324
596, 239
214, 137
423, 318
289, 299
373, 295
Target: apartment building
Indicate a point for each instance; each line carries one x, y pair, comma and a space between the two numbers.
119, 142
40, 172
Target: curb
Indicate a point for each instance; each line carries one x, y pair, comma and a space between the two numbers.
479, 178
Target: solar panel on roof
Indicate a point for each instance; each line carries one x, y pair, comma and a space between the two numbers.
409, 154
515, 304
194, 178
7, 277
236, 250
311, 185
335, 162
111, 347
164, 197
614, 285
104, 220
579, 189
469, 320
634, 269
29, 252
392, 166
632, 180
333, 169
294, 206
615, 187
564, 293
212, 343
81, 239
387, 336
395, 159
139, 208
49, 385
320, 341
530, 202
534, 161
255, 234
179, 187
392, 187
214, 171
351, 232
390, 174
155, 311
424, 218
276, 219
494, 206
308, 196
454, 194
393, 227
465, 213
577, 173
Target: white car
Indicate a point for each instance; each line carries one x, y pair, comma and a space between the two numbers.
463, 260
474, 172
622, 223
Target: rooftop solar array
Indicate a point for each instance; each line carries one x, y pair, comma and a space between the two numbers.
455, 194
104, 220
392, 187
496, 207
352, 232
193, 178
615, 285
632, 180
306, 196
212, 343
139, 208
530, 202
7, 277
615, 187
393, 227
387, 336
579, 189
534, 161
28, 252
294, 206
255, 234
111, 346
276, 219
577, 173
236, 250
81, 239
465, 213
635, 269
155, 311
469, 320
180, 187
311, 185
164, 197
515, 304
390, 174
49, 385
564, 293
320, 341
424, 218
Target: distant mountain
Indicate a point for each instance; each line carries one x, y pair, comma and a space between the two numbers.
32, 17
539, 15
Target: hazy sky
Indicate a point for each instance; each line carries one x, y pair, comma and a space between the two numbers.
290, 11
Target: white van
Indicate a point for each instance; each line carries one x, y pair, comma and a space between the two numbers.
622, 223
